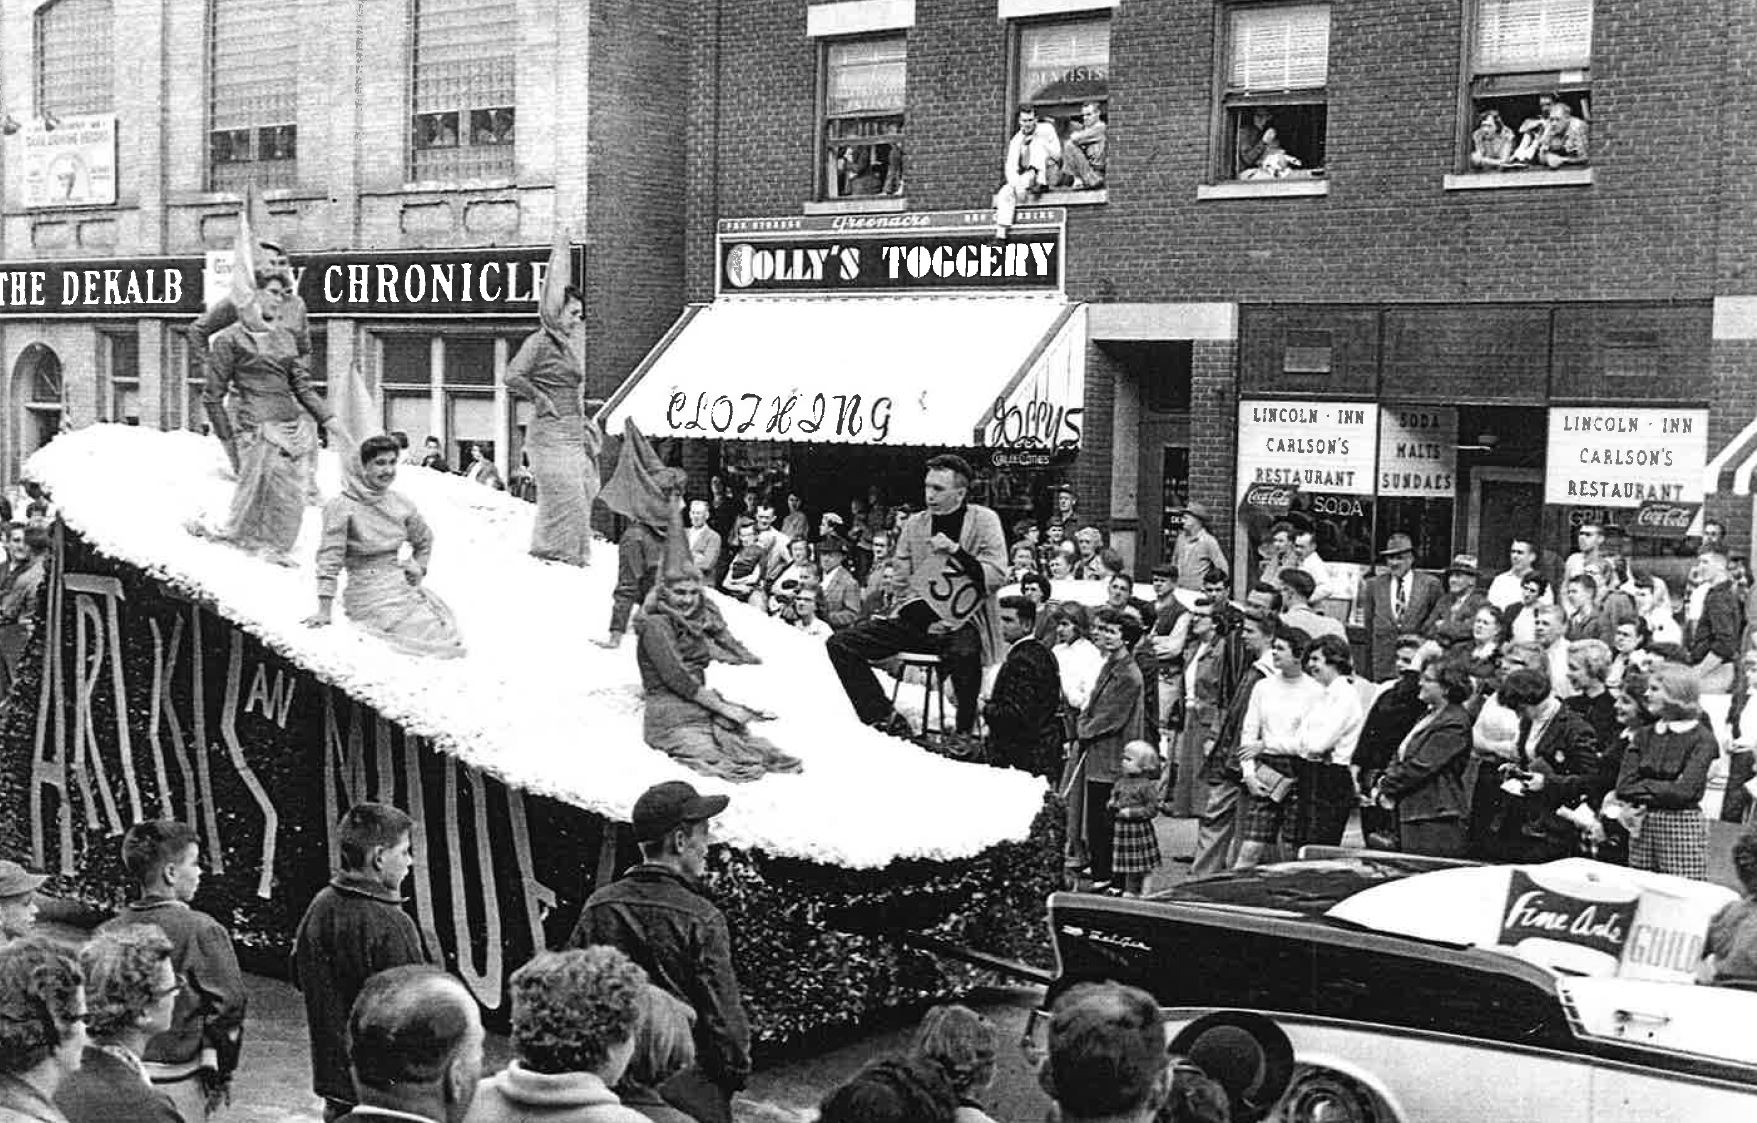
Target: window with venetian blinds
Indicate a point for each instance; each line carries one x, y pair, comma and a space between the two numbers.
1275, 67
462, 93
1280, 48
75, 57
253, 70
1523, 36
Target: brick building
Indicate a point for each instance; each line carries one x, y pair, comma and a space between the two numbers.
412, 155
1427, 330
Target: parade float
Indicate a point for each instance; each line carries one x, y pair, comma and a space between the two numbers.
171, 676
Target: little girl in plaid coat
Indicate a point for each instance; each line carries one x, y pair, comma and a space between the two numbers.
1134, 802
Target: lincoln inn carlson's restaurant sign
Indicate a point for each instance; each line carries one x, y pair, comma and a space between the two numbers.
1333, 460
384, 283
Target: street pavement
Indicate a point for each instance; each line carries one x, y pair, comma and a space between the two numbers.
273, 1084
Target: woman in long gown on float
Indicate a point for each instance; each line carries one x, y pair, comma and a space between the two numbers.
679, 632
562, 442
364, 530
257, 363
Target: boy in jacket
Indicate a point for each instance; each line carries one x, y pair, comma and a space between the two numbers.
193, 1061
354, 928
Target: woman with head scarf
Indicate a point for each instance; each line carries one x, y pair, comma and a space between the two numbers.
650, 496
269, 430
364, 531
562, 442
678, 634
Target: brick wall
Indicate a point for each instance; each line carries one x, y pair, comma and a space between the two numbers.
1386, 232
636, 183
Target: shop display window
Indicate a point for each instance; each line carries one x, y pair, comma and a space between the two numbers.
1274, 108
253, 72
1062, 70
75, 57
1530, 85
462, 113
864, 82
119, 358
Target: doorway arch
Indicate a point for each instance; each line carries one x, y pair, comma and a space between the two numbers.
39, 402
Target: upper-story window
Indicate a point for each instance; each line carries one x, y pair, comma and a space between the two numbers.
75, 60
1062, 73
1530, 85
253, 74
864, 85
463, 115
1275, 70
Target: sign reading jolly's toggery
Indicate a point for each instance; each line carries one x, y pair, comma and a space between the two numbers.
896, 254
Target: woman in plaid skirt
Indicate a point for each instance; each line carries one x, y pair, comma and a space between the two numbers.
1665, 773
1133, 803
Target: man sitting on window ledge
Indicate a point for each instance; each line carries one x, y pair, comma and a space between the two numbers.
1034, 157
1086, 151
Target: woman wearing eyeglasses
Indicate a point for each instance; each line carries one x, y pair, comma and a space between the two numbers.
130, 990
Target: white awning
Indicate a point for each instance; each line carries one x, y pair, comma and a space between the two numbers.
1002, 372
1731, 469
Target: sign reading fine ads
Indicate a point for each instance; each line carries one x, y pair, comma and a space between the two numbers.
1609, 456
71, 165
895, 254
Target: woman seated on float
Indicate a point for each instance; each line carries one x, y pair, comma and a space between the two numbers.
364, 531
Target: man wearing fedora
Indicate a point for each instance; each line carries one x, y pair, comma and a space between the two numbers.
1196, 552
18, 900
660, 916
1453, 616
1398, 601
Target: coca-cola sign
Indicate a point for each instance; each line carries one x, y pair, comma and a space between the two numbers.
1661, 519
1273, 499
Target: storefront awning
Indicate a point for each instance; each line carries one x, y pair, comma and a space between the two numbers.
1732, 467
1003, 372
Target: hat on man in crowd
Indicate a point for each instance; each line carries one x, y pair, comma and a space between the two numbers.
1397, 544
16, 881
663, 808
832, 544
1464, 563
1199, 509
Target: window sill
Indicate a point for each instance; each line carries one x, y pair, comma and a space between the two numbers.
1530, 177
234, 198
1263, 189
1095, 197
871, 204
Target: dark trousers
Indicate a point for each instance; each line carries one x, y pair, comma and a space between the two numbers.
1100, 821
697, 1096
854, 650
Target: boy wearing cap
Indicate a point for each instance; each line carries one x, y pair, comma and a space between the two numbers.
1196, 551
18, 900
193, 1061
660, 916
355, 928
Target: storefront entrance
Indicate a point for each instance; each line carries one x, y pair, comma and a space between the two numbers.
38, 397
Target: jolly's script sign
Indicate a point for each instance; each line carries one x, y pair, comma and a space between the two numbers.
920, 252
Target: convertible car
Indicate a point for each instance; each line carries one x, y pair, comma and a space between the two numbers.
1381, 988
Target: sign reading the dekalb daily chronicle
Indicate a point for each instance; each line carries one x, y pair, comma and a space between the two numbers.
912, 252
1418, 452
1313, 446
400, 284
1609, 456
